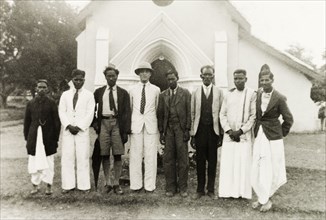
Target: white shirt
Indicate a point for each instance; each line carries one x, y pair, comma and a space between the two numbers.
106, 103
174, 91
207, 89
265, 98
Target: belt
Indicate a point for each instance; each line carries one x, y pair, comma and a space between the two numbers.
109, 117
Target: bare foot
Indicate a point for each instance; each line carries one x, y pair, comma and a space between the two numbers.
267, 206
255, 205
35, 190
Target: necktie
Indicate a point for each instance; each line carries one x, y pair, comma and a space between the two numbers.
172, 96
143, 101
74, 101
111, 101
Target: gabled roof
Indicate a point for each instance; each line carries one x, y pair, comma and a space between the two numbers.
244, 32
235, 14
287, 58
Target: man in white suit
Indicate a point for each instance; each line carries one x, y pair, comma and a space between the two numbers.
206, 132
144, 130
76, 112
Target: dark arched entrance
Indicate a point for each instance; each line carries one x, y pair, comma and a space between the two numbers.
160, 66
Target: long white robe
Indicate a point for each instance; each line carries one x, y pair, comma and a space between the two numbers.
238, 112
40, 166
268, 167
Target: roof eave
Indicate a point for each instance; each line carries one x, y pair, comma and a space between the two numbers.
288, 59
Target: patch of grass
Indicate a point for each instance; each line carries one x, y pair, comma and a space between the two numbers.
302, 197
11, 114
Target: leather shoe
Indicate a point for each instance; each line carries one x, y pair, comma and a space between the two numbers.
147, 191
85, 191
137, 190
48, 190
169, 194
211, 195
198, 195
117, 190
184, 194
65, 191
108, 189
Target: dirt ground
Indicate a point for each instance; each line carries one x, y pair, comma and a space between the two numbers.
302, 197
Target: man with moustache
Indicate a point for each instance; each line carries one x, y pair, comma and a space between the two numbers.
206, 132
41, 131
112, 125
238, 114
174, 122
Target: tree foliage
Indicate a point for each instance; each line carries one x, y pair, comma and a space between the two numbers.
318, 89
300, 52
38, 41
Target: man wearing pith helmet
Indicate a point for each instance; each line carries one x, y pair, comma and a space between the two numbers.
144, 130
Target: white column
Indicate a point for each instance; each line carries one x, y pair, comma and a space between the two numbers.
221, 54
102, 55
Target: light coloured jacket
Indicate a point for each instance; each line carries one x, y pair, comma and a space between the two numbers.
82, 115
196, 109
149, 118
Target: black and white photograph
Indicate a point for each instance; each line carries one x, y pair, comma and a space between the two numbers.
162, 109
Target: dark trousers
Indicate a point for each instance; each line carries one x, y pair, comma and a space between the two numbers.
175, 159
206, 146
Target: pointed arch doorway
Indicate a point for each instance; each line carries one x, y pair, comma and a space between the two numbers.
160, 67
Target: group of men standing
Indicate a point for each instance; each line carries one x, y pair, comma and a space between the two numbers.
207, 118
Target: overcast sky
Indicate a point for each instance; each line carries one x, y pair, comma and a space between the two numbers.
281, 23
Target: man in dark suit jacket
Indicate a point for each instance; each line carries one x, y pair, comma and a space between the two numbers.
268, 171
112, 124
41, 131
174, 122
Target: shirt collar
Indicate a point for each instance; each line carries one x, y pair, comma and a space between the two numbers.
269, 93
79, 90
174, 90
208, 87
146, 84
113, 88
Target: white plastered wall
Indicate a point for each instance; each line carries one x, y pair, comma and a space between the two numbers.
287, 80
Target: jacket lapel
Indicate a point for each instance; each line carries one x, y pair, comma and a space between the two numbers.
167, 98
214, 93
118, 98
178, 96
258, 105
198, 104
101, 93
272, 101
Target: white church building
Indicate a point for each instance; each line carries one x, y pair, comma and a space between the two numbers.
186, 35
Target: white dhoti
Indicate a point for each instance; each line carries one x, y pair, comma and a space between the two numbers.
40, 166
142, 145
268, 167
235, 169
